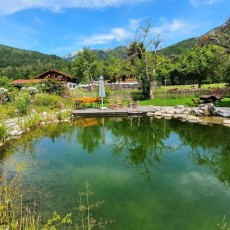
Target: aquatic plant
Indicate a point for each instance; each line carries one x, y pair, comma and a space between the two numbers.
224, 225
14, 215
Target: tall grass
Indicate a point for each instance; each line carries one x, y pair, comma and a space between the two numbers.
3, 132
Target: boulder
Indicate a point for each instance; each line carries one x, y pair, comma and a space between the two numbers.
158, 113
179, 107
223, 114
167, 115
193, 119
149, 114
180, 116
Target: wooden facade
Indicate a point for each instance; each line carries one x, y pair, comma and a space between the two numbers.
53, 74
56, 75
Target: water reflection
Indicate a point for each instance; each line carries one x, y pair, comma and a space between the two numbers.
183, 163
210, 146
141, 142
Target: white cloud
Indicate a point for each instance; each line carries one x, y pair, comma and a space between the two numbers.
10, 7
116, 34
174, 30
193, 182
175, 26
201, 2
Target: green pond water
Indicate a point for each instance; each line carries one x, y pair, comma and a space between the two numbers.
151, 173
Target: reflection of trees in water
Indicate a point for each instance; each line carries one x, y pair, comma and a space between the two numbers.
140, 141
27, 142
89, 137
88, 133
210, 146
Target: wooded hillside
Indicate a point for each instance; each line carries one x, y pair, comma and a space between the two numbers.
18, 63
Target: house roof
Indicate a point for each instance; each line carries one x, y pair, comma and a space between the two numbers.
55, 71
24, 82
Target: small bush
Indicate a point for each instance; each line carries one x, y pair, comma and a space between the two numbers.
46, 100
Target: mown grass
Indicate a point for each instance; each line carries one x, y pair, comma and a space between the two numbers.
186, 101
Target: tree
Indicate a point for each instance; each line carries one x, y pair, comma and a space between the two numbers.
219, 36
113, 68
85, 66
144, 48
199, 63
51, 86
4, 81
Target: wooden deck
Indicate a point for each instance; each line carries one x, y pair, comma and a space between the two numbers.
141, 110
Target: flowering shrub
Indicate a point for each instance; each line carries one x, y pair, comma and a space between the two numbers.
4, 95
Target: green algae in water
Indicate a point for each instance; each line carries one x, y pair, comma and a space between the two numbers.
152, 173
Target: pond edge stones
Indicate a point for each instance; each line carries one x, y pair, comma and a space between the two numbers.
190, 114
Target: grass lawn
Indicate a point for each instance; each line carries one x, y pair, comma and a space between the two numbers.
186, 101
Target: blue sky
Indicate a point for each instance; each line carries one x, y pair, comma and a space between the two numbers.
63, 26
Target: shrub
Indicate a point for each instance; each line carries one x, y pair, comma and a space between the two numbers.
4, 95
22, 103
63, 114
46, 100
51, 86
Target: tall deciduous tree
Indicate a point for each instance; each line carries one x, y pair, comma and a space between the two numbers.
85, 66
113, 68
199, 63
144, 48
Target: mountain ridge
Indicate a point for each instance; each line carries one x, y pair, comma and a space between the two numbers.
175, 49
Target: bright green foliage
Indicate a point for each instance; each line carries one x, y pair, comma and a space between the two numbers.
199, 63
51, 86
22, 103
113, 68
4, 81
62, 115
46, 100
86, 66
30, 122
3, 133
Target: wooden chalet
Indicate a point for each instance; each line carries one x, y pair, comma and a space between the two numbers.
56, 75
53, 74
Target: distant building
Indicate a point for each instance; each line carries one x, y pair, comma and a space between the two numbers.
55, 75
50, 74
